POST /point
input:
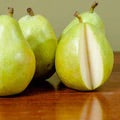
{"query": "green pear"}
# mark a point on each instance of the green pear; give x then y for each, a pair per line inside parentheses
(41, 37)
(84, 58)
(17, 61)
(90, 17)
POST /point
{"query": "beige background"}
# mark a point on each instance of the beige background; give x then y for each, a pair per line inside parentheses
(60, 13)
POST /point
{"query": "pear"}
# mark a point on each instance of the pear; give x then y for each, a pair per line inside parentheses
(90, 17)
(84, 58)
(17, 61)
(41, 37)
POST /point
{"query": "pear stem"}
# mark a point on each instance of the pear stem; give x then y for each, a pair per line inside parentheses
(94, 5)
(76, 14)
(30, 11)
(10, 11)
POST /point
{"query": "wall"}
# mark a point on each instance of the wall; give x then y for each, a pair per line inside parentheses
(60, 13)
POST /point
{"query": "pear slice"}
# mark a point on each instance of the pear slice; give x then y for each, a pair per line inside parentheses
(84, 58)
(91, 62)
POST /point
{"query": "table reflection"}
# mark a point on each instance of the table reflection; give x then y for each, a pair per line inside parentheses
(85, 107)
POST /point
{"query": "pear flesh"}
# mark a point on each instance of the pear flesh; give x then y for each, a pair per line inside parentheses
(40, 35)
(17, 61)
(84, 58)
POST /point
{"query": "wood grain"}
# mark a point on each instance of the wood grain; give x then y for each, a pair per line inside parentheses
(44, 102)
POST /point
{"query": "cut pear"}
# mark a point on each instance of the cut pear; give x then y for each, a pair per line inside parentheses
(84, 58)
(91, 63)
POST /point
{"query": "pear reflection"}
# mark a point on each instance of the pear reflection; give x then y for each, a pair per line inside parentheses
(92, 110)
(85, 107)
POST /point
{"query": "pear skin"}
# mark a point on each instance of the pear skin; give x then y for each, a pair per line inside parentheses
(17, 61)
(90, 17)
(41, 37)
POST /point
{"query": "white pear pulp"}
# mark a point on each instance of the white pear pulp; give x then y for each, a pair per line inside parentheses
(91, 63)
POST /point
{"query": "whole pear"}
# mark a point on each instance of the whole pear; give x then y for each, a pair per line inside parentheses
(17, 61)
(41, 37)
(84, 58)
(90, 17)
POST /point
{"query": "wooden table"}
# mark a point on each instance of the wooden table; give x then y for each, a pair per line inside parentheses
(45, 102)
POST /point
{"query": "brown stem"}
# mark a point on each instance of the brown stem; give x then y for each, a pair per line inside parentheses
(76, 14)
(30, 11)
(94, 5)
(10, 11)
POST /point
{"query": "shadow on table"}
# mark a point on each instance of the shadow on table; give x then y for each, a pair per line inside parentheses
(112, 85)
(53, 85)
(50, 85)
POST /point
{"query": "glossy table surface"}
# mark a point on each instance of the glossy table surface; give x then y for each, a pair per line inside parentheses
(52, 101)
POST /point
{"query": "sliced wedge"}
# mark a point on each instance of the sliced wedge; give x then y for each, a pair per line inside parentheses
(84, 58)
